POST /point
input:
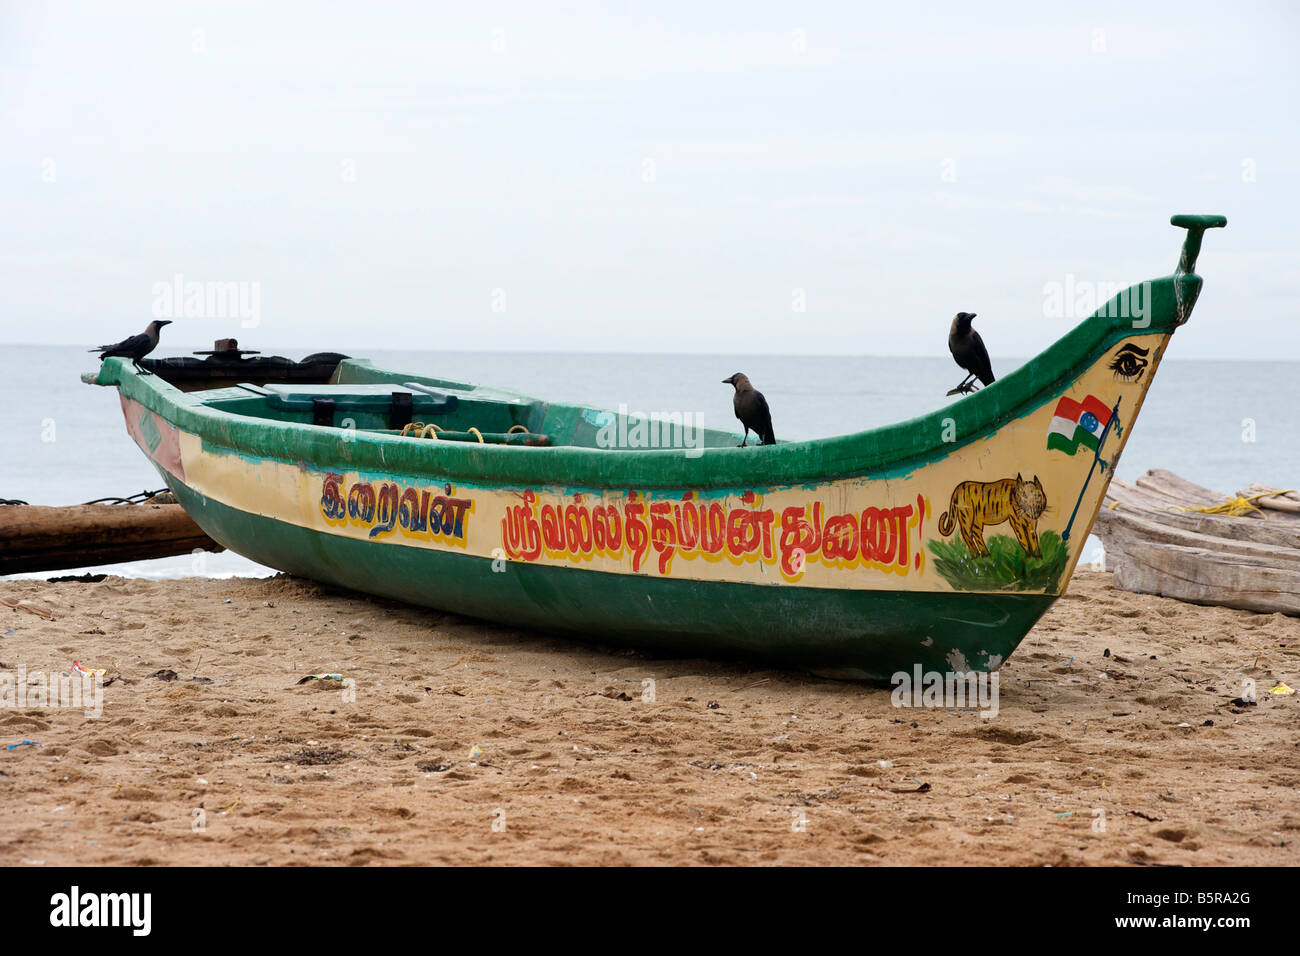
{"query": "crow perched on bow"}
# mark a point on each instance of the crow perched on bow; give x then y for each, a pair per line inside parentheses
(137, 346)
(968, 349)
(751, 409)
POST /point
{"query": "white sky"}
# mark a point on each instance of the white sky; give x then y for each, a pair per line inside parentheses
(505, 148)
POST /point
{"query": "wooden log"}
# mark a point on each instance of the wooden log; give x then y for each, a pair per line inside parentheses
(1155, 547)
(1122, 531)
(1133, 496)
(1208, 577)
(1281, 534)
(1288, 501)
(1121, 490)
(1166, 482)
(36, 538)
(1185, 493)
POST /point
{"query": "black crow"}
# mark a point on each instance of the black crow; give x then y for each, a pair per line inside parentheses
(751, 409)
(968, 349)
(137, 346)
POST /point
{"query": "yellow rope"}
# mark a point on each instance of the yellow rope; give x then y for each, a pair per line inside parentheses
(1238, 506)
(1279, 493)
(421, 430)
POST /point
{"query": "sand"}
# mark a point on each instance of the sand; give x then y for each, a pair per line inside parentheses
(1135, 758)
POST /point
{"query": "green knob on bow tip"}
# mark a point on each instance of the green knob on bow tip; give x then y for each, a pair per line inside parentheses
(1195, 226)
(1204, 222)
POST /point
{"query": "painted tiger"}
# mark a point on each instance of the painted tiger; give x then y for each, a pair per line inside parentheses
(979, 504)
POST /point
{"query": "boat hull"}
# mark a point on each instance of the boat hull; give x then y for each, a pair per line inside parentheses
(858, 634)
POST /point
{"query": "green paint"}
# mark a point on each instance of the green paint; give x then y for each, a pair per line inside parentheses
(1006, 566)
(1058, 442)
(149, 430)
(850, 633)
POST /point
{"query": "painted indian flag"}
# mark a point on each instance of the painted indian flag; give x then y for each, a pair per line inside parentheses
(1077, 423)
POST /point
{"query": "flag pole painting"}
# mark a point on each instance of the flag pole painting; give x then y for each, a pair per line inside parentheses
(1077, 423)
(1090, 429)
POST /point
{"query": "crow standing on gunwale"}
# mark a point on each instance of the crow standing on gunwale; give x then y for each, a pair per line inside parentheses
(751, 409)
(968, 349)
(137, 346)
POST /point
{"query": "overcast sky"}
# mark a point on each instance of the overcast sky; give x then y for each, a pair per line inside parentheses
(684, 177)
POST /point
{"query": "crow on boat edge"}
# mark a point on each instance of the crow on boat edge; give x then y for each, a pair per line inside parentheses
(968, 350)
(751, 409)
(137, 346)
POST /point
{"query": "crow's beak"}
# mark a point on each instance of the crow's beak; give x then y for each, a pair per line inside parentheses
(165, 322)
(727, 381)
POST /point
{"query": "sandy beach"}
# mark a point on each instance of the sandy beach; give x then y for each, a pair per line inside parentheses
(468, 743)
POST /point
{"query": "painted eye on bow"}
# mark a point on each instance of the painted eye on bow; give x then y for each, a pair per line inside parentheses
(1130, 362)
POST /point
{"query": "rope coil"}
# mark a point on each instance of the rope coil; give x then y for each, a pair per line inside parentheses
(421, 430)
(1238, 506)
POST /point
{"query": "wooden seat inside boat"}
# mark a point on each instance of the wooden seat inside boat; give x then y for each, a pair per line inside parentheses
(361, 398)
(407, 410)
(355, 405)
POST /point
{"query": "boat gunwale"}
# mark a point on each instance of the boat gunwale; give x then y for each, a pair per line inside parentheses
(882, 452)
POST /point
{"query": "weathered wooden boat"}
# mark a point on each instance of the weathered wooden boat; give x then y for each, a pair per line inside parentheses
(1167, 536)
(935, 542)
(38, 538)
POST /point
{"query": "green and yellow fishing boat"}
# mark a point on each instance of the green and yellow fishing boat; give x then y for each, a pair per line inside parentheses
(935, 542)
